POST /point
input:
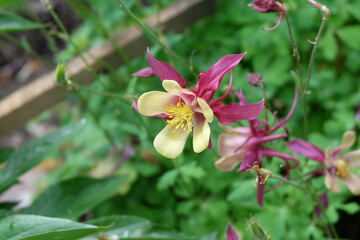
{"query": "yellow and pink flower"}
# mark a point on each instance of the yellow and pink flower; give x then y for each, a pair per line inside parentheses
(190, 110)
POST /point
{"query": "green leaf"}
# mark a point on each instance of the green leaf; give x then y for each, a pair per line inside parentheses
(350, 208)
(350, 35)
(29, 227)
(10, 22)
(72, 198)
(32, 153)
(129, 227)
(5, 153)
(123, 226)
(168, 179)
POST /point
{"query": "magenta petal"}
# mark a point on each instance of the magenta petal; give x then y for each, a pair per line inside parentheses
(235, 112)
(145, 72)
(165, 71)
(231, 234)
(210, 80)
(251, 158)
(266, 152)
(260, 193)
(306, 149)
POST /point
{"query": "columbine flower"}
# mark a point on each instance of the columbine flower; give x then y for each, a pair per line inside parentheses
(265, 6)
(231, 234)
(337, 165)
(245, 145)
(191, 110)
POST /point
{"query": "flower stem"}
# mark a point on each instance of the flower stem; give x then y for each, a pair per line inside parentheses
(313, 54)
(295, 53)
(57, 20)
(288, 181)
(105, 94)
(299, 81)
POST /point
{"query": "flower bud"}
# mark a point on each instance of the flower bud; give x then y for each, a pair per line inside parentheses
(255, 79)
(257, 230)
(60, 74)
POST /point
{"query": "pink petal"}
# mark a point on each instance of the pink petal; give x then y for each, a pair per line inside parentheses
(235, 112)
(165, 71)
(306, 149)
(210, 80)
(145, 72)
(231, 234)
(230, 144)
(282, 14)
(283, 122)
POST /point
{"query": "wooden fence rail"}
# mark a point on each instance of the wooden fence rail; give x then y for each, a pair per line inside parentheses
(41, 94)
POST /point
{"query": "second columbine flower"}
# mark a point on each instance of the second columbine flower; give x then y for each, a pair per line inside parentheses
(191, 110)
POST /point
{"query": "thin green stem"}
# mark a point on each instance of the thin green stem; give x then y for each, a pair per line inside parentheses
(299, 81)
(105, 94)
(313, 54)
(296, 53)
(69, 39)
(27, 49)
(147, 29)
(288, 181)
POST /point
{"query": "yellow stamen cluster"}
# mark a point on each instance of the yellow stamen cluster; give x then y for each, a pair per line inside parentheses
(264, 173)
(341, 168)
(180, 116)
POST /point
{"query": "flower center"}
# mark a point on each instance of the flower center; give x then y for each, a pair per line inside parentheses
(341, 169)
(180, 116)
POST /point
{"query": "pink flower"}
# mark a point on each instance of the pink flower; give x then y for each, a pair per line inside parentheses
(265, 6)
(337, 165)
(246, 146)
(191, 110)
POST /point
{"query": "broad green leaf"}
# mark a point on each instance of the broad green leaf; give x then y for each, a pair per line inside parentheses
(123, 226)
(5, 3)
(10, 22)
(32, 153)
(30, 227)
(130, 227)
(5, 153)
(72, 198)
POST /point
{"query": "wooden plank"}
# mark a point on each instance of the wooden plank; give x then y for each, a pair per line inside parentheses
(43, 93)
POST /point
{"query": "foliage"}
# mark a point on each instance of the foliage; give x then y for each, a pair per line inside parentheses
(187, 196)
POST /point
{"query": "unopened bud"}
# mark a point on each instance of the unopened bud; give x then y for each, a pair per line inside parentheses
(257, 230)
(60, 74)
(255, 79)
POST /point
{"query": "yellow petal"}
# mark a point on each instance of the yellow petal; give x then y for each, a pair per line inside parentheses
(353, 183)
(170, 144)
(153, 103)
(201, 133)
(348, 140)
(331, 183)
(173, 87)
(206, 110)
(228, 163)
